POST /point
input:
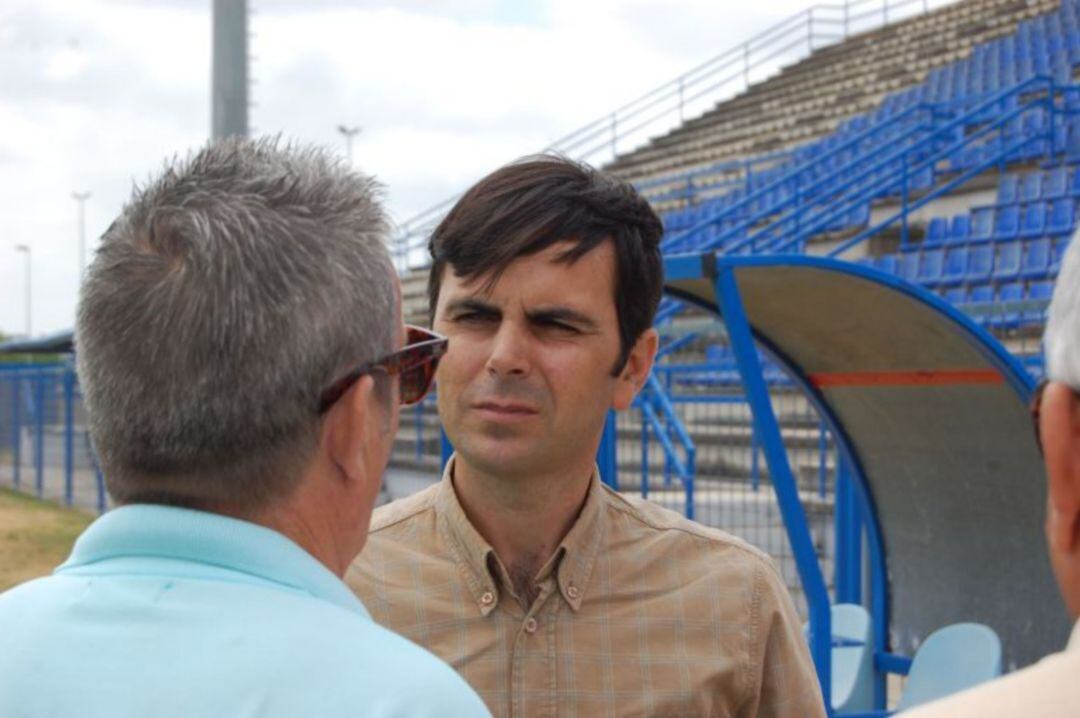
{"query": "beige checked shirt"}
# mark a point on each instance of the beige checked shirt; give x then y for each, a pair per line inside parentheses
(640, 613)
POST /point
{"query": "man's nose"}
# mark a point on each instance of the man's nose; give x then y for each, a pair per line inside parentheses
(510, 351)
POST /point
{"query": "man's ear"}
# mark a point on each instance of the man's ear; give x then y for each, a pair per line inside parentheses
(636, 371)
(1059, 429)
(347, 428)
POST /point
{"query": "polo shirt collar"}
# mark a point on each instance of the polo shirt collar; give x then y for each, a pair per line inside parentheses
(154, 531)
(572, 561)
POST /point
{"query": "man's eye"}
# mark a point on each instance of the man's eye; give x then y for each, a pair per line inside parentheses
(473, 318)
(558, 326)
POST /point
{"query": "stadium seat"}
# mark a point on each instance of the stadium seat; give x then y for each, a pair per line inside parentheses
(1031, 187)
(949, 660)
(1036, 262)
(936, 232)
(956, 296)
(1009, 316)
(887, 263)
(1056, 254)
(960, 229)
(1007, 223)
(1007, 265)
(1008, 189)
(931, 264)
(1074, 182)
(982, 224)
(1056, 184)
(1062, 217)
(981, 294)
(980, 263)
(956, 261)
(908, 268)
(1033, 221)
(1038, 292)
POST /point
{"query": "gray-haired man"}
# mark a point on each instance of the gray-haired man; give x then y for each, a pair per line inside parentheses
(240, 350)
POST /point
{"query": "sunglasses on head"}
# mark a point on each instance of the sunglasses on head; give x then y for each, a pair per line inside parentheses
(414, 366)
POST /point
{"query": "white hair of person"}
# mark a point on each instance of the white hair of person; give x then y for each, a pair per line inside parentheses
(228, 294)
(1061, 340)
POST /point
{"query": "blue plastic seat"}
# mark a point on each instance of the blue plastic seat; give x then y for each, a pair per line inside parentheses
(1008, 189)
(1031, 187)
(1008, 261)
(1062, 217)
(1009, 316)
(982, 224)
(1036, 262)
(956, 296)
(1038, 292)
(1056, 254)
(1007, 223)
(1074, 182)
(956, 262)
(980, 263)
(960, 229)
(931, 264)
(853, 660)
(887, 263)
(950, 660)
(1033, 221)
(936, 232)
(1056, 184)
(908, 267)
(981, 294)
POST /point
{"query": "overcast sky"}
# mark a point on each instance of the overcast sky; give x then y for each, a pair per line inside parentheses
(95, 94)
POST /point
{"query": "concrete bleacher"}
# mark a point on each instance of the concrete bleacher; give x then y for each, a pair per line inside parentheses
(810, 99)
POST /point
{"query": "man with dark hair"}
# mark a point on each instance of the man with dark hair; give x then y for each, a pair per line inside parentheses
(551, 594)
(239, 345)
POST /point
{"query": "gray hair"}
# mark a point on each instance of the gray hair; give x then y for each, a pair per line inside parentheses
(1061, 340)
(228, 294)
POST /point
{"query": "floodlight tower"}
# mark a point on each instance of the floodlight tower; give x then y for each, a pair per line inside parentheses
(229, 82)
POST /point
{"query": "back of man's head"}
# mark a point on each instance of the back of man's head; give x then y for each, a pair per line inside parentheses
(228, 294)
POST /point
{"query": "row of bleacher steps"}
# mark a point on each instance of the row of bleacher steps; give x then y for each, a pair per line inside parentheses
(809, 99)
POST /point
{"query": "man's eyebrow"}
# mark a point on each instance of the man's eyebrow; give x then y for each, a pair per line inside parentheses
(470, 304)
(563, 314)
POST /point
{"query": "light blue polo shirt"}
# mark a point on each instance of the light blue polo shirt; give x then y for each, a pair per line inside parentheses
(168, 612)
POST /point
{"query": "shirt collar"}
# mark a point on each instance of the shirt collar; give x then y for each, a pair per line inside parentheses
(154, 531)
(573, 559)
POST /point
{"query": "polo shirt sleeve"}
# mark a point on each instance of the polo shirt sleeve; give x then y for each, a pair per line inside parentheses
(783, 681)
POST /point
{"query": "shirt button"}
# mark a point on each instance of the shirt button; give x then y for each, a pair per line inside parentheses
(488, 598)
(573, 592)
(530, 625)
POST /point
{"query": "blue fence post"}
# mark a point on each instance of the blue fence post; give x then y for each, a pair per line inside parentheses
(16, 427)
(606, 456)
(39, 433)
(783, 480)
(848, 539)
(69, 434)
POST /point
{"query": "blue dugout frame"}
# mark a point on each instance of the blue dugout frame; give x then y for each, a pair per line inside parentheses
(721, 272)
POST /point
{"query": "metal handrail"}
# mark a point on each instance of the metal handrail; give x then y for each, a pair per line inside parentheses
(734, 65)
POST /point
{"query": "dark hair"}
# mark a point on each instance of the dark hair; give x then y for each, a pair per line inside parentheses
(525, 207)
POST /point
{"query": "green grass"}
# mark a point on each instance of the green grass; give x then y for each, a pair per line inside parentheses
(35, 536)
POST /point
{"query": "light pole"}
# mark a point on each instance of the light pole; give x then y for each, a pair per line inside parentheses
(24, 248)
(81, 198)
(349, 133)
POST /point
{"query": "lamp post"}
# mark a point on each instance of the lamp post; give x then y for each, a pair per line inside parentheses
(26, 249)
(349, 133)
(81, 198)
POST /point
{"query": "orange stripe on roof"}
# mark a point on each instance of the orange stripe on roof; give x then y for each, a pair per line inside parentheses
(943, 377)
